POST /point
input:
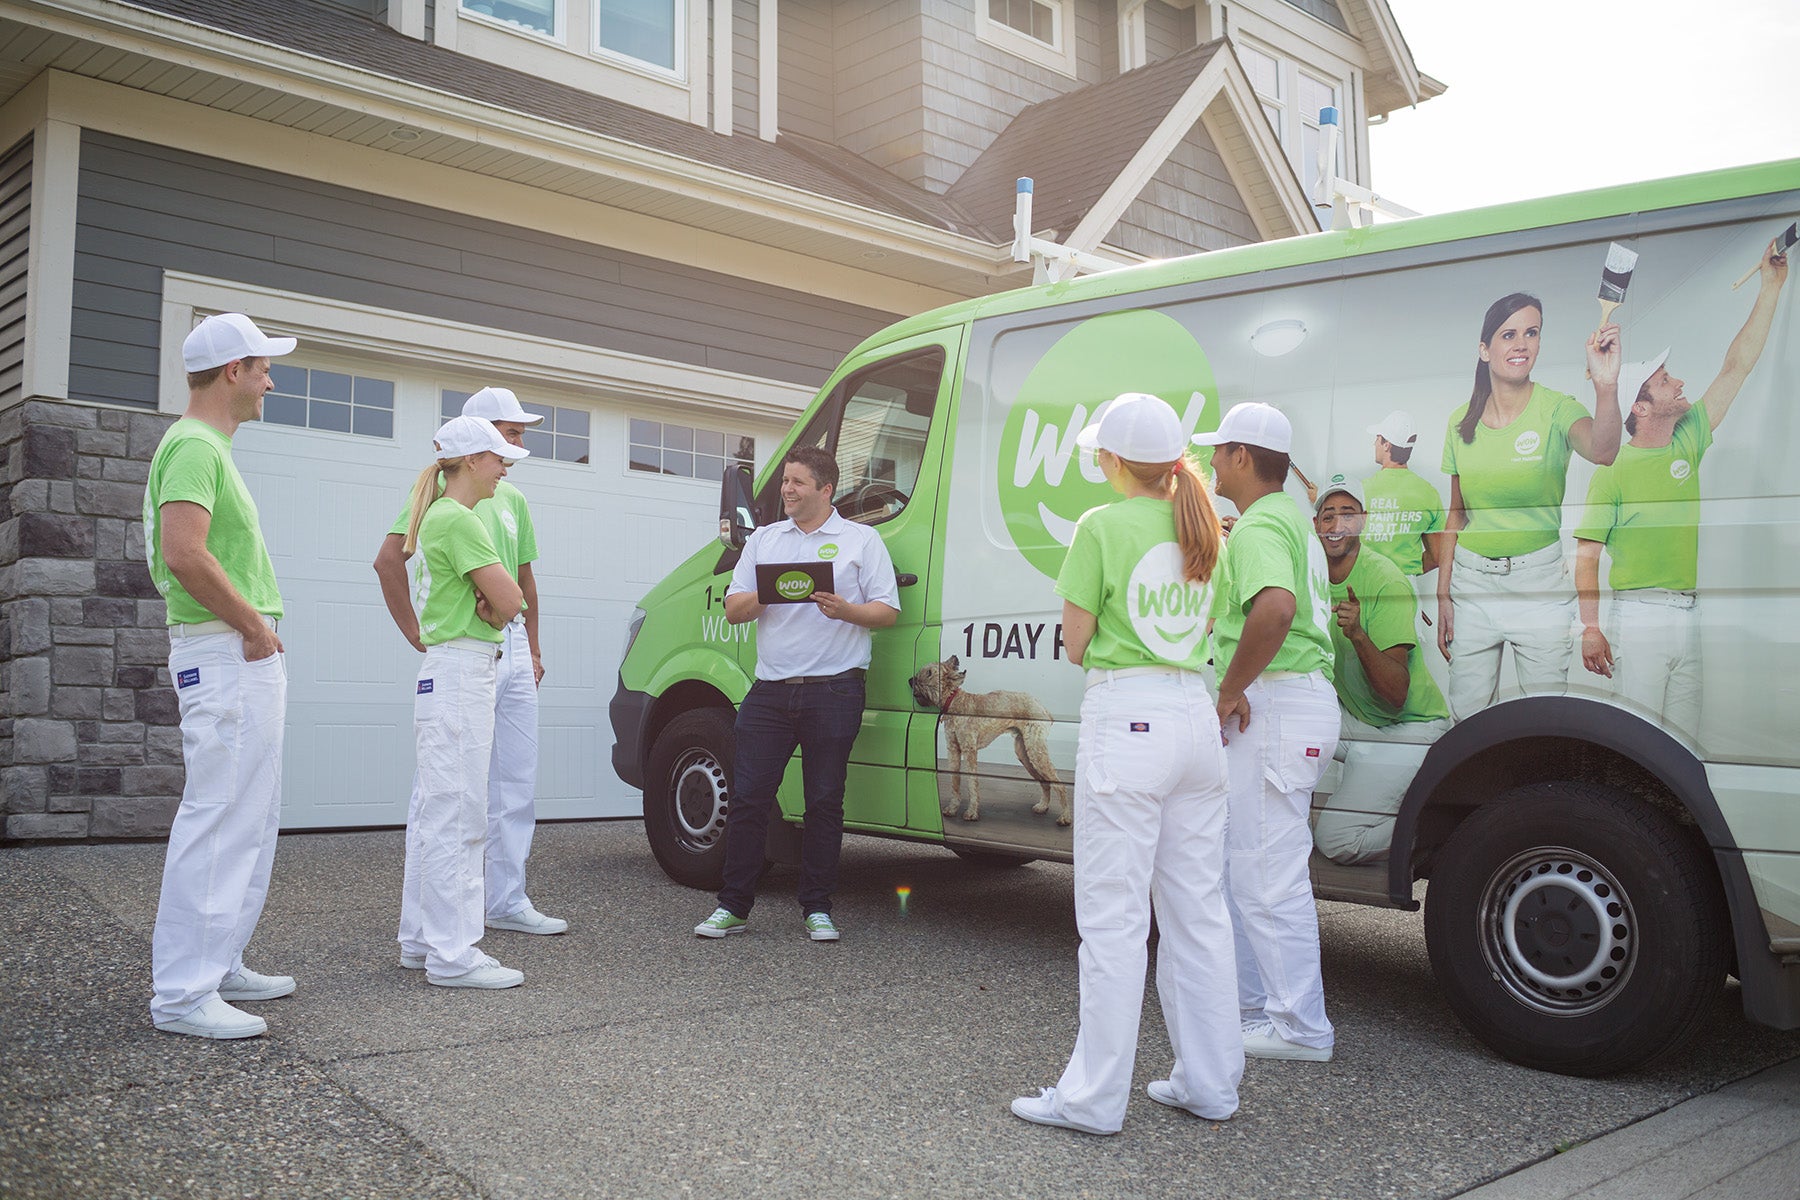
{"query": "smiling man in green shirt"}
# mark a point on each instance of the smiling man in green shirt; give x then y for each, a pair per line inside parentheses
(1645, 509)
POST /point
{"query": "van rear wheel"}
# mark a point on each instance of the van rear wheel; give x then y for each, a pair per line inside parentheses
(686, 788)
(1575, 929)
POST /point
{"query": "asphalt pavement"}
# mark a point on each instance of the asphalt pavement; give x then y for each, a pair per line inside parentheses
(640, 1061)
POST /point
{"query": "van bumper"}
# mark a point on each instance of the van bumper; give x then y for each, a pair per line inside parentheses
(630, 714)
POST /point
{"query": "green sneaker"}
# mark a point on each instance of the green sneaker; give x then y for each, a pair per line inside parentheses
(722, 922)
(819, 927)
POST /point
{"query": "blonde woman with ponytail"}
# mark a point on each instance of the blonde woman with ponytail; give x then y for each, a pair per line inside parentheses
(468, 596)
(1150, 792)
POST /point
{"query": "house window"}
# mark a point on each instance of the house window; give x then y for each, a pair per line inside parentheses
(645, 31)
(1036, 30)
(662, 448)
(532, 16)
(1291, 97)
(563, 434)
(330, 400)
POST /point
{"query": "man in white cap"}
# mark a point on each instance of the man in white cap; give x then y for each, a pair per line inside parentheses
(206, 555)
(1645, 509)
(512, 771)
(1391, 707)
(1279, 716)
(1405, 513)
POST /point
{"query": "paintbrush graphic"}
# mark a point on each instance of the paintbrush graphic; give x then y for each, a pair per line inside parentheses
(1615, 278)
(1783, 244)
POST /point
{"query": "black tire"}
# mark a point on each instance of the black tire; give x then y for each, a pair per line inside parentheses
(1575, 929)
(991, 860)
(685, 790)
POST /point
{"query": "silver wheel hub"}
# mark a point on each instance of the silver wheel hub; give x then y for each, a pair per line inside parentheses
(1557, 931)
(697, 782)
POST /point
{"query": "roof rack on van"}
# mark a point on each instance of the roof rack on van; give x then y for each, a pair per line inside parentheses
(1050, 261)
(1345, 200)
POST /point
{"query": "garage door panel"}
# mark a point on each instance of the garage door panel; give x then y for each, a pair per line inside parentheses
(354, 645)
(576, 544)
(570, 645)
(347, 765)
(575, 776)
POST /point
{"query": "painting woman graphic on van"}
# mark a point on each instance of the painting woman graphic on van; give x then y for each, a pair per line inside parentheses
(1504, 581)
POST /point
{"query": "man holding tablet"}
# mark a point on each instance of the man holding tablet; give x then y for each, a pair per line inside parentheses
(812, 652)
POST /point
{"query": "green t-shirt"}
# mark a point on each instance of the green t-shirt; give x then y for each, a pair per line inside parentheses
(1272, 545)
(193, 464)
(1646, 508)
(1388, 606)
(1513, 478)
(1401, 509)
(507, 519)
(1124, 566)
(452, 542)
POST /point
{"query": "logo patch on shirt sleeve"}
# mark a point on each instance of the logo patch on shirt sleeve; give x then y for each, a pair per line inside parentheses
(424, 686)
(1140, 727)
(188, 678)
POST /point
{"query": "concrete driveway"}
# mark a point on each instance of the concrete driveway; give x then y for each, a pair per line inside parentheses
(640, 1061)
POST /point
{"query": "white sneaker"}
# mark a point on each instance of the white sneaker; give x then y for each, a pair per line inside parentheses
(218, 1020)
(245, 984)
(1163, 1092)
(529, 920)
(413, 962)
(1041, 1110)
(1261, 1041)
(486, 974)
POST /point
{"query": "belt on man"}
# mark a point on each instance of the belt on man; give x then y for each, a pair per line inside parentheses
(852, 673)
(1506, 564)
(472, 645)
(207, 628)
(1665, 597)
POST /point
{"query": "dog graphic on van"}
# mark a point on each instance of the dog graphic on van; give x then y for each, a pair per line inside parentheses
(972, 720)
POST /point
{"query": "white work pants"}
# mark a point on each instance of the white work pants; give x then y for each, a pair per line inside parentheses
(512, 776)
(222, 844)
(1526, 602)
(446, 824)
(1357, 823)
(1656, 655)
(1273, 766)
(1150, 824)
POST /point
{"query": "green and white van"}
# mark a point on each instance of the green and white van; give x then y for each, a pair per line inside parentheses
(1594, 873)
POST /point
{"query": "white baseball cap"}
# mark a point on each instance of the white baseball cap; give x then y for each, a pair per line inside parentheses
(1397, 428)
(227, 337)
(1136, 426)
(1252, 424)
(498, 404)
(1634, 375)
(472, 435)
(1340, 482)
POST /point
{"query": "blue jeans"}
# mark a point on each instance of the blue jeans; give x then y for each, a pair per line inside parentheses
(822, 720)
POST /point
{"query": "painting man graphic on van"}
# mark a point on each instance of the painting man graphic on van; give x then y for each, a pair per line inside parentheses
(1645, 509)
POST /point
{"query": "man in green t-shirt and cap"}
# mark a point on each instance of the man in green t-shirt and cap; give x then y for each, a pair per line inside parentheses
(1645, 509)
(204, 545)
(1405, 519)
(1391, 707)
(1279, 716)
(512, 768)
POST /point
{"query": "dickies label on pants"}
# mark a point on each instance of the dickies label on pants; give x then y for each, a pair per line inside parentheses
(1140, 727)
(1312, 752)
(187, 678)
(424, 686)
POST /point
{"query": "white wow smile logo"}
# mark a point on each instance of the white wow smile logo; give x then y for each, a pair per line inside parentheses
(1527, 442)
(1680, 469)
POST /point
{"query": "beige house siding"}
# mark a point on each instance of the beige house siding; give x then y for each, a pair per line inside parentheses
(1191, 189)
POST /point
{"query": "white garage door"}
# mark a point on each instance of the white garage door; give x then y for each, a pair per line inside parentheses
(329, 489)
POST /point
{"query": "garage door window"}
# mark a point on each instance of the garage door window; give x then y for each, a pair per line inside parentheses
(664, 448)
(562, 436)
(309, 398)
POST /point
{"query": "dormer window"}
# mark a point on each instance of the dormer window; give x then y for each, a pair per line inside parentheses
(1040, 31)
(1292, 95)
(542, 17)
(1029, 17)
(647, 32)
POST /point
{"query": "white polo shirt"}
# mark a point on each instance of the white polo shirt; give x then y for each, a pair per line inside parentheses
(797, 639)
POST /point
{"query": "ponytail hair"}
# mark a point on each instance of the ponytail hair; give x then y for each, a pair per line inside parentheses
(1197, 529)
(425, 492)
(1497, 314)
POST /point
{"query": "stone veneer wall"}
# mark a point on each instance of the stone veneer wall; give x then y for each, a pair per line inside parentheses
(89, 740)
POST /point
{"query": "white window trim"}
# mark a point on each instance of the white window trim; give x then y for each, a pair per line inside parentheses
(1293, 121)
(557, 37)
(678, 74)
(329, 326)
(1059, 57)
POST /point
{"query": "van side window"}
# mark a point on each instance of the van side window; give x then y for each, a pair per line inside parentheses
(875, 427)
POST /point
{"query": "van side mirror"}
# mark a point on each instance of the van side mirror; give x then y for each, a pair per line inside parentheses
(737, 508)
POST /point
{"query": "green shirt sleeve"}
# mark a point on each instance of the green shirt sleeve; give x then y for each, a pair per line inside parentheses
(1080, 580)
(192, 474)
(1387, 611)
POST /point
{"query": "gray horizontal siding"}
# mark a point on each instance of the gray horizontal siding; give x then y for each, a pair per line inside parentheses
(803, 68)
(1167, 31)
(15, 243)
(145, 209)
(1189, 205)
(745, 82)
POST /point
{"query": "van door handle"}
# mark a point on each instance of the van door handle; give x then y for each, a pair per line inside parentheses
(906, 579)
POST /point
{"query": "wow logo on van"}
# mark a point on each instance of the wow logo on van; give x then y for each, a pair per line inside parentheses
(1045, 481)
(794, 585)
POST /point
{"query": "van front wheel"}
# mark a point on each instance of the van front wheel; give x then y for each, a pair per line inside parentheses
(1575, 929)
(685, 791)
